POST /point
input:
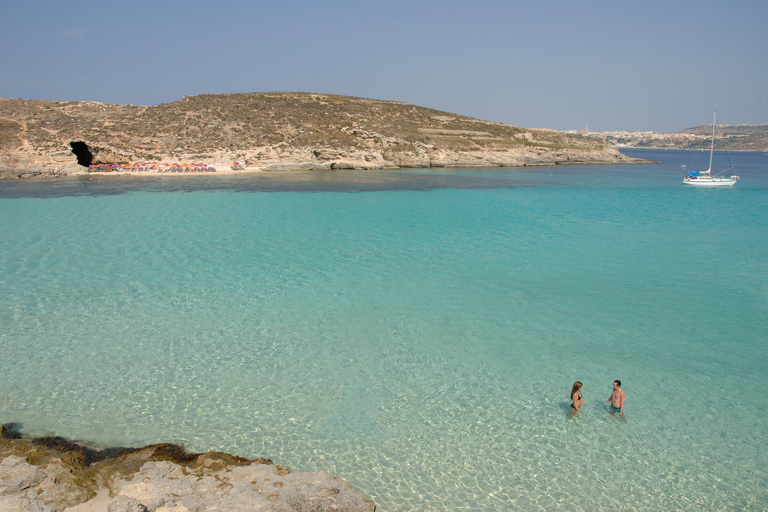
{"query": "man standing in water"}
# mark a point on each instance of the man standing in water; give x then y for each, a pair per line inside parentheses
(617, 398)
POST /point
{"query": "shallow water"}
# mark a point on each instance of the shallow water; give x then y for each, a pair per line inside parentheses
(414, 332)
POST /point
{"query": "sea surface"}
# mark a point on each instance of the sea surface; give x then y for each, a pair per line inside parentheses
(415, 332)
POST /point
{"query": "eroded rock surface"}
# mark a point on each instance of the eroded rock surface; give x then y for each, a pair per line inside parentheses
(167, 485)
(25, 487)
(54, 474)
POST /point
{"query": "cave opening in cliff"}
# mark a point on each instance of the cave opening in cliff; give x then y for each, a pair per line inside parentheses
(82, 152)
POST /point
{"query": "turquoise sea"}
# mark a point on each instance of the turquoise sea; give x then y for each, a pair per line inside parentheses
(415, 332)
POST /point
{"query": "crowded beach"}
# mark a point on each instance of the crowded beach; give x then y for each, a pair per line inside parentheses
(152, 167)
(161, 167)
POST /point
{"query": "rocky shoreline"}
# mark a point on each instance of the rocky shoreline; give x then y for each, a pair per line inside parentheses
(301, 159)
(53, 474)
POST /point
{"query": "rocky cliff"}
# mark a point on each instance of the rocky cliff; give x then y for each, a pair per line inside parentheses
(275, 131)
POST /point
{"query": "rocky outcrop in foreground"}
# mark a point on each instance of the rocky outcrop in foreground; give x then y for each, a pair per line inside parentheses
(56, 475)
(274, 131)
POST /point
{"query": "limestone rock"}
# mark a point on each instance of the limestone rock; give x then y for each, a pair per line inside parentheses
(125, 504)
(166, 486)
(15, 504)
(329, 154)
(302, 166)
(27, 487)
(54, 474)
(343, 165)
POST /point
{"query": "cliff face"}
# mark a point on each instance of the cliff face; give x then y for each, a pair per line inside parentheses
(274, 131)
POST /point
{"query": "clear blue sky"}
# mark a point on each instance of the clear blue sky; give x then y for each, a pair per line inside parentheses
(611, 65)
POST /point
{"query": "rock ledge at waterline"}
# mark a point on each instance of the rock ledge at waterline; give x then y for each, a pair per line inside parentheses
(275, 131)
(52, 474)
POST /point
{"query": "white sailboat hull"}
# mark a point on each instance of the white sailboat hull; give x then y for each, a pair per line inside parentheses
(710, 182)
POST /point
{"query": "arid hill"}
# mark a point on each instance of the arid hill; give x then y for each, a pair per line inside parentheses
(276, 131)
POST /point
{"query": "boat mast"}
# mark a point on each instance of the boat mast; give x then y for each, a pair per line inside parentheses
(712, 147)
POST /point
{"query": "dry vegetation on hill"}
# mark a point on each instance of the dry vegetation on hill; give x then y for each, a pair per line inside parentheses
(276, 131)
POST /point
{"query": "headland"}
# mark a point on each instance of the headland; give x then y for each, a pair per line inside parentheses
(269, 132)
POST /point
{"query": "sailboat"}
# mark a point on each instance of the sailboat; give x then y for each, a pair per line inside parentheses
(705, 178)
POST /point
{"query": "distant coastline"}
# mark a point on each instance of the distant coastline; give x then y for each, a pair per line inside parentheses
(753, 137)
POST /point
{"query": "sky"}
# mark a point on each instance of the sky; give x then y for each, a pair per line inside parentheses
(606, 65)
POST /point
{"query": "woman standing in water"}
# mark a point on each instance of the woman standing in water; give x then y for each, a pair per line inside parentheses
(576, 396)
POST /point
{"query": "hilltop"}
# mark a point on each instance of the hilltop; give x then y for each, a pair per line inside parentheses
(277, 131)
